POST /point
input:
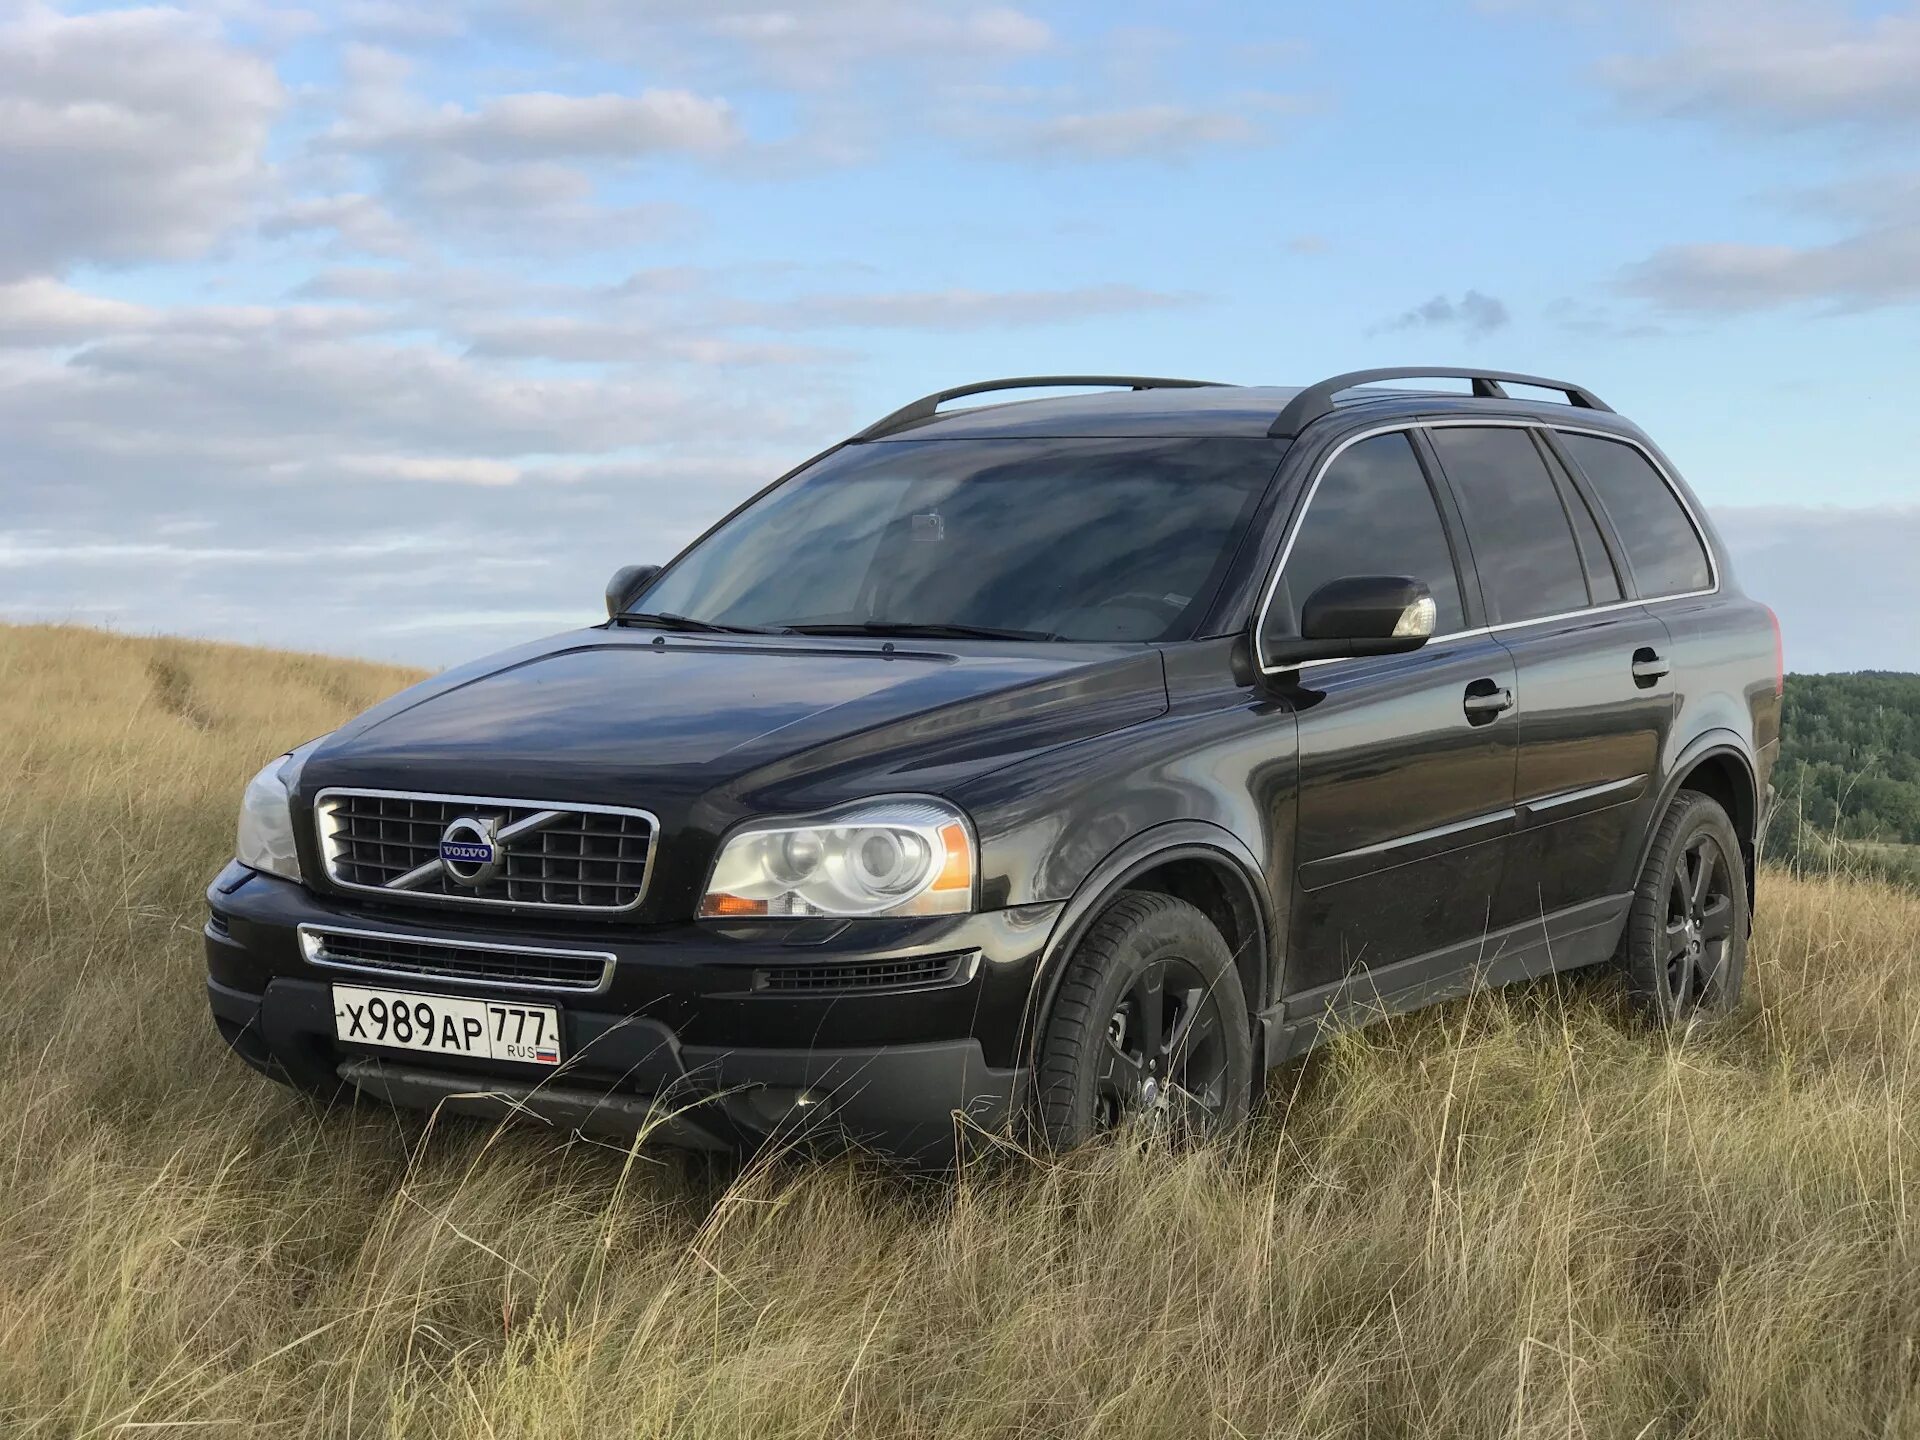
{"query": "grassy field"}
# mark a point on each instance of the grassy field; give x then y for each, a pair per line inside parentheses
(1516, 1216)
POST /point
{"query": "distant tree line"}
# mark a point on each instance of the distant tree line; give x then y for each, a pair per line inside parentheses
(1848, 780)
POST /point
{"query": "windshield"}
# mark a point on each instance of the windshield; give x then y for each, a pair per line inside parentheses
(1098, 540)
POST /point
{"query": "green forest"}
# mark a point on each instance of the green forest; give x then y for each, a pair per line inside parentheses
(1848, 780)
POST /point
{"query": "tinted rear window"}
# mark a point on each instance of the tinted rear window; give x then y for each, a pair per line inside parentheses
(1522, 543)
(1602, 578)
(1662, 546)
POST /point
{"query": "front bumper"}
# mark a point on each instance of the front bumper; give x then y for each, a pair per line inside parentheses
(679, 1045)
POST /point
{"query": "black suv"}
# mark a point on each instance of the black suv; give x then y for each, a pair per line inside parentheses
(1050, 762)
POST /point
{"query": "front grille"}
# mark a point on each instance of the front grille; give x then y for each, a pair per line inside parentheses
(556, 857)
(866, 974)
(461, 962)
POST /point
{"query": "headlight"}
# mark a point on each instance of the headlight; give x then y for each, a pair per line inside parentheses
(265, 841)
(911, 856)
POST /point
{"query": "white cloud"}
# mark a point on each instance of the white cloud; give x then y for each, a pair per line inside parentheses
(402, 23)
(1157, 132)
(520, 171)
(1771, 63)
(258, 396)
(1875, 264)
(433, 469)
(533, 207)
(465, 619)
(621, 341)
(1860, 272)
(1474, 314)
(820, 44)
(360, 222)
(546, 126)
(42, 312)
(951, 309)
(25, 550)
(125, 135)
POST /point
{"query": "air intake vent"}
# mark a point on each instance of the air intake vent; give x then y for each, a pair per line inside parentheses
(908, 974)
(456, 962)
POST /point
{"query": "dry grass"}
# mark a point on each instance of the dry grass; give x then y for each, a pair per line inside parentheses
(1515, 1216)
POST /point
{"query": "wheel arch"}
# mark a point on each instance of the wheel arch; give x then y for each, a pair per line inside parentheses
(1716, 764)
(1203, 864)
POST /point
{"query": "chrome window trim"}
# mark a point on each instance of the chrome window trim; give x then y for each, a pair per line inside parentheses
(328, 847)
(1406, 427)
(313, 939)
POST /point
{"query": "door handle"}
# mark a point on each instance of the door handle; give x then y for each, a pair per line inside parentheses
(1649, 667)
(1486, 701)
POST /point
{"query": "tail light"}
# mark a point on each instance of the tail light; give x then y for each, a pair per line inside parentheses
(1779, 657)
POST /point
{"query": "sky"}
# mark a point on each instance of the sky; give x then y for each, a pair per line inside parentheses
(391, 328)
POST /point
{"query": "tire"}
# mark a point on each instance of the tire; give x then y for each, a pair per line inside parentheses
(1685, 946)
(1149, 1022)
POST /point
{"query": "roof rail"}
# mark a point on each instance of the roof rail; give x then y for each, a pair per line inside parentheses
(928, 405)
(1317, 400)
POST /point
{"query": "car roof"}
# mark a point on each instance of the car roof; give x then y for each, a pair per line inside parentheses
(1244, 411)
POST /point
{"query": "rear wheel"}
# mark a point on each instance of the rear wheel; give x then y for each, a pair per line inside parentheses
(1685, 948)
(1149, 1023)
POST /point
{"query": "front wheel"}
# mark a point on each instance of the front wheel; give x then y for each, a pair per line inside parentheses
(1150, 1023)
(1685, 948)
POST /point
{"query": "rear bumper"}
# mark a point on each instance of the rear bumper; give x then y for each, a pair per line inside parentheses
(678, 1046)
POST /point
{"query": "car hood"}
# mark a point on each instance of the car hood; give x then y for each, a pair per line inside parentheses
(702, 728)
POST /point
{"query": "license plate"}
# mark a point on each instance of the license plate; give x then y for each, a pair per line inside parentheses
(447, 1025)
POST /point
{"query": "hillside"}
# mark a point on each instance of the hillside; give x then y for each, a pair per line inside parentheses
(1848, 781)
(1517, 1216)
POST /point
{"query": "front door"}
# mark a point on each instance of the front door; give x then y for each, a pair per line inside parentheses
(1406, 809)
(1405, 799)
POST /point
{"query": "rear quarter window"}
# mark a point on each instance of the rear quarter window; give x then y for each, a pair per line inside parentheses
(1522, 541)
(1662, 547)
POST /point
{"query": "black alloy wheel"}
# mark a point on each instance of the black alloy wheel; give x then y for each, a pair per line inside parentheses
(1165, 1052)
(1699, 921)
(1686, 937)
(1150, 1024)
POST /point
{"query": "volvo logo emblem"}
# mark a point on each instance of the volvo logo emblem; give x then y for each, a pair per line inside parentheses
(469, 853)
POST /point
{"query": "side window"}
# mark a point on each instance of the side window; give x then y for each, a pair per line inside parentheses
(1601, 578)
(1661, 544)
(1372, 514)
(1522, 543)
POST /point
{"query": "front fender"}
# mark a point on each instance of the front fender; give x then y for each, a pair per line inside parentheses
(1176, 840)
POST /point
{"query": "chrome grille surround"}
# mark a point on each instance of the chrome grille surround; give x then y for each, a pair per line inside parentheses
(560, 855)
(481, 963)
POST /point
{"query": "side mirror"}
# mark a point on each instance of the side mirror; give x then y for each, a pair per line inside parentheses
(625, 587)
(1355, 616)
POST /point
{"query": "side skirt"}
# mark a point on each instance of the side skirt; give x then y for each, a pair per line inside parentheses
(1581, 935)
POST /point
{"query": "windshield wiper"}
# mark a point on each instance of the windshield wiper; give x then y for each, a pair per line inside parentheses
(667, 620)
(923, 631)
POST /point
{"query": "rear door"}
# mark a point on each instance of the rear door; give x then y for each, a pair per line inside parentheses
(1594, 683)
(1405, 799)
